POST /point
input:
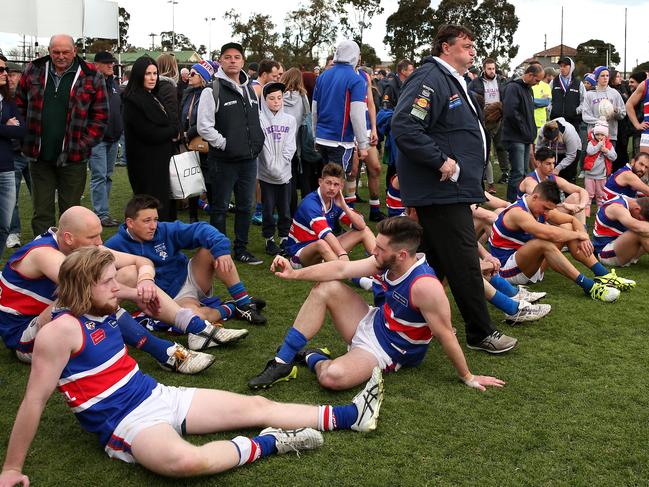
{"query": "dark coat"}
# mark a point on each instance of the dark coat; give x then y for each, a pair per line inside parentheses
(433, 121)
(148, 133)
(518, 113)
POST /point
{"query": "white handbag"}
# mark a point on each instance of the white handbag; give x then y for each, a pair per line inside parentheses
(185, 175)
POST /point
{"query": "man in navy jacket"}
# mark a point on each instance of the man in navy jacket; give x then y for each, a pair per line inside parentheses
(187, 281)
(442, 152)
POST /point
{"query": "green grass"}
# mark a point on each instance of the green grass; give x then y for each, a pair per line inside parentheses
(574, 411)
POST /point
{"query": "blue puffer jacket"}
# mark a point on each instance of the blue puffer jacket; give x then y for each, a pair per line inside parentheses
(433, 121)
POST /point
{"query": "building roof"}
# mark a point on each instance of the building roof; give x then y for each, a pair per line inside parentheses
(182, 57)
(556, 51)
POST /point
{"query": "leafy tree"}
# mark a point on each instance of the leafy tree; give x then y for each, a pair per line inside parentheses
(182, 41)
(641, 67)
(308, 27)
(124, 18)
(356, 16)
(453, 12)
(495, 36)
(407, 29)
(256, 35)
(594, 53)
(369, 56)
(201, 49)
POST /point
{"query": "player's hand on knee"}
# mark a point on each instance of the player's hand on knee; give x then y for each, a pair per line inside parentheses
(224, 263)
(147, 290)
(481, 382)
(9, 478)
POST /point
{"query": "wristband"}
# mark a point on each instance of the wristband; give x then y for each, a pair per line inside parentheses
(145, 277)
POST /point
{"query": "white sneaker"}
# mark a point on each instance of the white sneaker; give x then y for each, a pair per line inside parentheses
(213, 336)
(528, 312)
(368, 403)
(295, 440)
(13, 240)
(524, 294)
(188, 362)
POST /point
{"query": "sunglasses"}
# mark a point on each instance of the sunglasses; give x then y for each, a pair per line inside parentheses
(192, 74)
(3, 69)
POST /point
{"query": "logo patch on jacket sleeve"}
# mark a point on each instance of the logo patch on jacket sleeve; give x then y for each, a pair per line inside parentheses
(421, 105)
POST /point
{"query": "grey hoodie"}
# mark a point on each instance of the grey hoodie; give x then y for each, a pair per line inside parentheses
(207, 109)
(569, 143)
(280, 130)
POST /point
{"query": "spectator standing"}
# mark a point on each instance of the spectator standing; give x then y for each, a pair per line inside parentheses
(12, 126)
(103, 155)
(21, 169)
(442, 152)
(519, 128)
(304, 176)
(339, 112)
(542, 94)
(393, 86)
(624, 126)
(183, 83)
(231, 126)
(121, 161)
(274, 169)
(490, 86)
(64, 103)
(567, 94)
(199, 77)
(600, 154)
(590, 107)
(149, 132)
(637, 109)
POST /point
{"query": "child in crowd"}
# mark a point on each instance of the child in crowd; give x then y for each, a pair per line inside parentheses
(600, 154)
(274, 168)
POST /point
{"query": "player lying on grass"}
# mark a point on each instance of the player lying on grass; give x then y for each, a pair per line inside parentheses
(527, 238)
(415, 309)
(82, 353)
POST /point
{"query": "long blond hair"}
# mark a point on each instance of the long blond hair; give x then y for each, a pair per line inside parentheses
(167, 66)
(80, 271)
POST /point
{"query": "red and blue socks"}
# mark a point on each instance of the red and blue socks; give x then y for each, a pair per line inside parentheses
(239, 294)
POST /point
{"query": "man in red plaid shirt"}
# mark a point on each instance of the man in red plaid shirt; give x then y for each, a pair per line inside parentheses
(65, 106)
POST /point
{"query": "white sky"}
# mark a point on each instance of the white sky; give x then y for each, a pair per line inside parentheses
(601, 19)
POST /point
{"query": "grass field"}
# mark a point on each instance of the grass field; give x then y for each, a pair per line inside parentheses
(574, 411)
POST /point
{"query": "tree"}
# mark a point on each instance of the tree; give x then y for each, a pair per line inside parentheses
(124, 18)
(356, 16)
(407, 29)
(182, 41)
(641, 67)
(453, 12)
(369, 56)
(256, 35)
(308, 27)
(495, 37)
(201, 49)
(595, 53)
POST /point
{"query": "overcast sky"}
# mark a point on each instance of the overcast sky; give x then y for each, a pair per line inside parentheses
(601, 19)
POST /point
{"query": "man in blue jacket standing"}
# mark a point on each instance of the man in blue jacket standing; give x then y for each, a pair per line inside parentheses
(442, 153)
(187, 281)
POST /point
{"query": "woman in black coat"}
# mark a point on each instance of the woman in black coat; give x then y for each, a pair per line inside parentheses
(149, 134)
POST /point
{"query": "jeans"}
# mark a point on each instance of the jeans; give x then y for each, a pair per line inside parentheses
(49, 180)
(519, 158)
(122, 145)
(102, 162)
(21, 170)
(7, 203)
(227, 178)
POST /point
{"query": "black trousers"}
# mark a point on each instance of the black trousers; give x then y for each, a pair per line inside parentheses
(275, 196)
(451, 249)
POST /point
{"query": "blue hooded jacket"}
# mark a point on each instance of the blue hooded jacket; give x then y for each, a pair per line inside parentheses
(164, 250)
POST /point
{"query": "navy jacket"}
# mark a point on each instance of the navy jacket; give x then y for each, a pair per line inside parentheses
(518, 113)
(8, 109)
(115, 125)
(164, 250)
(433, 120)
